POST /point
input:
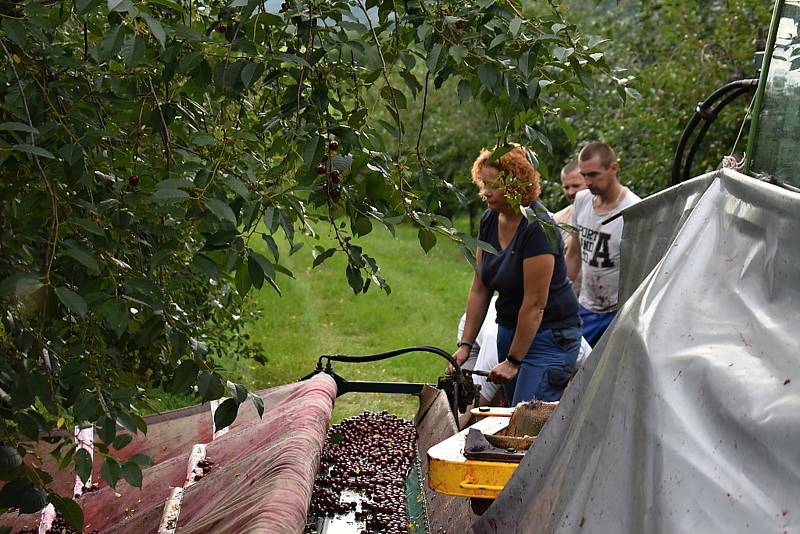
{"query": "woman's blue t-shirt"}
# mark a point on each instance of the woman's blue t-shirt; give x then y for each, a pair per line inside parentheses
(503, 272)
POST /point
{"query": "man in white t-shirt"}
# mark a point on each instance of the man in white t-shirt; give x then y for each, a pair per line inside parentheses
(598, 252)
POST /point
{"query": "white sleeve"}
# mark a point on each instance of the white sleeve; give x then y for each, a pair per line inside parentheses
(461, 327)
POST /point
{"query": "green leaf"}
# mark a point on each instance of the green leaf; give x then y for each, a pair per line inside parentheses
(141, 459)
(20, 284)
(238, 187)
(464, 91)
(33, 150)
(297, 60)
(427, 239)
(203, 139)
(22, 494)
(156, 29)
(221, 210)
(312, 151)
(239, 392)
(89, 226)
(242, 279)
(10, 457)
(115, 315)
(112, 41)
(106, 428)
(399, 98)
(69, 510)
(27, 424)
(264, 263)
(209, 386)
(361, 226)
(133, 51)
(82, 255)
(458, 53)
(321, 256)
(17, 126)
(185, 375)
(354, 279)
(132, 474)
(111, 471)
(256, 272)
(436, 58)
(225, 414)
(122, 441)
(515, 26)
(16, 32)
(82, 7)
(251, 72)
(167, 195)
(83, 465)
(561, 53)
(127, 422)
(74, 302)
(487, 73)
(206, 266)
(258, 402)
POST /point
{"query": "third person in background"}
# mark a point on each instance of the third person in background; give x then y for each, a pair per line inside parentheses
(595, 251)
(571, 182)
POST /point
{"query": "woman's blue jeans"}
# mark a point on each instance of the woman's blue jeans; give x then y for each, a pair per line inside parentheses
(546, 368)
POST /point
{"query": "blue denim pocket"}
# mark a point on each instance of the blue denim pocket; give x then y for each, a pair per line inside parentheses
(566, 338)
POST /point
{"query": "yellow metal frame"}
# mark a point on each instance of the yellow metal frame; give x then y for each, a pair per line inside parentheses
(451, 473)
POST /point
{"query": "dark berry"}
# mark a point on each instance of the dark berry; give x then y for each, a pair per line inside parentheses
(333, 147)
(133, 180)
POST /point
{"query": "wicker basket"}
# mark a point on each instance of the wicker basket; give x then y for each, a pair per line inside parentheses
(519, 443)
(526, 423)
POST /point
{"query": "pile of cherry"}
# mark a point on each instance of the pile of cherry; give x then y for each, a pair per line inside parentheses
(368, 455)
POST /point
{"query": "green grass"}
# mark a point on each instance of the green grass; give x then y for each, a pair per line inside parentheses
(319, 314)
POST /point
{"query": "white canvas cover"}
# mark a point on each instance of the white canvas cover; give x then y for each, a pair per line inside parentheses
(686, 417)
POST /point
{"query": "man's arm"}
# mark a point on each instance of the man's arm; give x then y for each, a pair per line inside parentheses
(573, 258)
(477, 304)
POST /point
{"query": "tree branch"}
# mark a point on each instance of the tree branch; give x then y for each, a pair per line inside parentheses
(51, 193)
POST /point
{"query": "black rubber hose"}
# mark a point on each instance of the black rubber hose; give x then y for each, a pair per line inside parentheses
(393, 353)
(687, 169)
(390, 354)
(702, 112)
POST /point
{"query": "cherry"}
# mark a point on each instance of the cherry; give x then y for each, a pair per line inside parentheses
(322, 169)
(133, 180)
(335, 176)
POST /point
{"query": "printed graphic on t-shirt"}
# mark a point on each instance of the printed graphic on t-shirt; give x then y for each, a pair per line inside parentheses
(595, 248)
(600, 251)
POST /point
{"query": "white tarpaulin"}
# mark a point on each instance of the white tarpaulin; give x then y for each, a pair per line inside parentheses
(686, 418)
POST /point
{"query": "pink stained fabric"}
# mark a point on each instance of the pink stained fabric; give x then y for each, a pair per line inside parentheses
(268, 489)
(170, 438)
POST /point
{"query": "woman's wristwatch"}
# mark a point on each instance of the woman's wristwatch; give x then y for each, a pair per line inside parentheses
(513, 360)
(462, 343)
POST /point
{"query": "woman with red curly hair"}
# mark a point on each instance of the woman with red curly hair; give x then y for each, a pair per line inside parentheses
(539, 328)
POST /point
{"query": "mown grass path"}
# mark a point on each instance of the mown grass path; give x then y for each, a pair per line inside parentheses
(319, 314)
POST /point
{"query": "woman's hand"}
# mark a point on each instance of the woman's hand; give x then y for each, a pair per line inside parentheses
(461, 355)
(503, 372)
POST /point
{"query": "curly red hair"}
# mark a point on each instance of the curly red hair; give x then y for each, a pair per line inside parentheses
(515, 163)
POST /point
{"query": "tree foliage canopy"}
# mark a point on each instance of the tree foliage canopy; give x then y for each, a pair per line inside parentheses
(145, 146)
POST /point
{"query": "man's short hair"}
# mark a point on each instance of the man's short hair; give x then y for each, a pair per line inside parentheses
(598, 148)
(569, 168)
